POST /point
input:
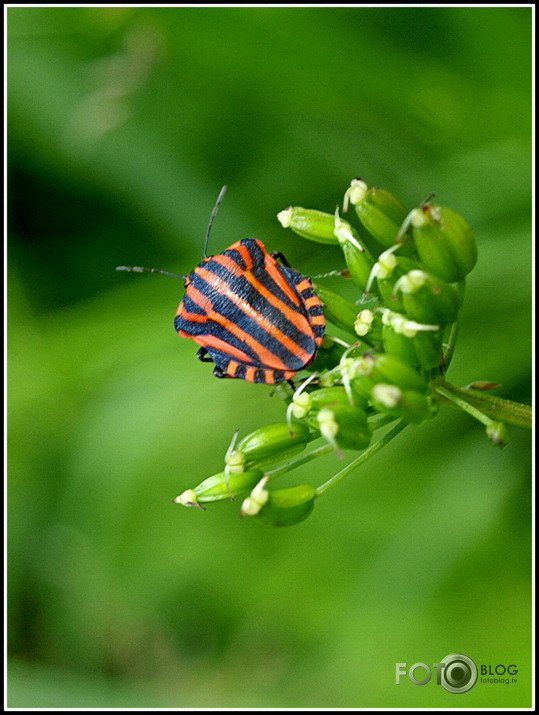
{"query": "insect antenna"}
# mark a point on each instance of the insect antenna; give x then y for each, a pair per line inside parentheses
(212, 217)
(139, 269)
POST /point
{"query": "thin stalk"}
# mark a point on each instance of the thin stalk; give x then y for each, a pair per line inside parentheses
(363, 457)
(453, 334)
(485, 408)
(464, 405)
(298, 461)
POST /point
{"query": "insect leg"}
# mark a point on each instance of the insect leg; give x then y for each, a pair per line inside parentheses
(202, 355)
(279, 255)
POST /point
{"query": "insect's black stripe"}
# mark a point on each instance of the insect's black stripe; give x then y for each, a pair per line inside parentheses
(261, 263)
(252, 256)
(233, 339)
(226, 330)
(257, 319)
(213, 333)
(242, 285)
(179, 323)
(238, 323)
(190, 306)
(277, 375)
(314, 306)
(256, 305)
(308, 292)
(240, 371)
(236, 256)
(254, 374)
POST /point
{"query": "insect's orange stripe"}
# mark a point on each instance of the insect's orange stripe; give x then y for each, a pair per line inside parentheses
(287, 374)
(299, 321)
(272, 268)
(248, 309)
(270, 265)
(313, 300)
(265, 356)
(232, 368)
(269, 374)
(305, 283)
(245, 253)
(213, 342)
(192, 317)
(201, 300)
(250, 373)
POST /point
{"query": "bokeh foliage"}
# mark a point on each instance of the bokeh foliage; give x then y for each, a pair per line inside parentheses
(123, 124)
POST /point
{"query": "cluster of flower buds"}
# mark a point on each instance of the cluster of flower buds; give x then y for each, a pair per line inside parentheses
(244, 474)
(408, 268)
(408, 265)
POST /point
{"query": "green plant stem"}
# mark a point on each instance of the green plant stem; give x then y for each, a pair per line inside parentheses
(465, 406)
(453, 334)
(379, 420)
(363, 457)
(298, 461)
(376, 422)
(485, 408)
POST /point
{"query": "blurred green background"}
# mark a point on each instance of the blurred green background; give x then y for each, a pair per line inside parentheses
(123, 125)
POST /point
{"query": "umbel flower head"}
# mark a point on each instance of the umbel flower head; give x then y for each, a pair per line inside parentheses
(383, 360)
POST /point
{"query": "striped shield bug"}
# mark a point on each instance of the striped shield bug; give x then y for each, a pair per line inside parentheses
(252, 315)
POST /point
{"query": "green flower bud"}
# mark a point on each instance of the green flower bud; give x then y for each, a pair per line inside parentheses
(235, 461)
(396, 343)
(345, 426)
(497, 432)
(286, 507)
(329, 397)
(427, 298)
(368, 325)
(301, 404)
(256, 499)
(218, 487)
(428, 348)
(388, 270)
(379, 211)
(337, 309)
(373, 368)
(363, 322)
(408, 405)
(328, 379)
(309, 223)
(444, 242)
(358, 259)
(416, 343)
(359, 264)
(274, 443)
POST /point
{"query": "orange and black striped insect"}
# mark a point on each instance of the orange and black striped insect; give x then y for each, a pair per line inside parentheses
(254, 317)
